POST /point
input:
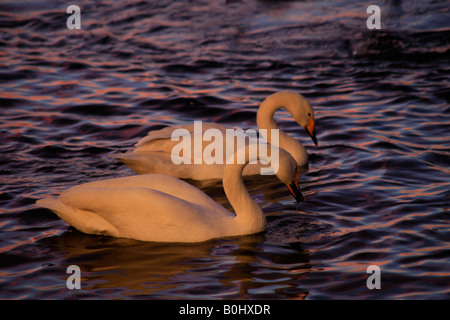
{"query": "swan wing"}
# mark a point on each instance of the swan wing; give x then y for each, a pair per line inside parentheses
(161, 140)
(138, 213)
(158, 182)
(166, 133)
(161, 163)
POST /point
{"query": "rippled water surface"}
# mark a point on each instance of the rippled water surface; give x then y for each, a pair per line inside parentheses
(376, 190)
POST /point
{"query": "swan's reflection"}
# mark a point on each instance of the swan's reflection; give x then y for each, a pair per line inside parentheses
(233, 268)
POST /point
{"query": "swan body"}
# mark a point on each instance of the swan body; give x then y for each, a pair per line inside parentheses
(153, 152)
(155, 207)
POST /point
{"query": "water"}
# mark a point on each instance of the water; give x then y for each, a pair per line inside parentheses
(376, 190)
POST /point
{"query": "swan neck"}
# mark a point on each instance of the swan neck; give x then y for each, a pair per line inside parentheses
(264, 116)
(249, 216)
(264, 120)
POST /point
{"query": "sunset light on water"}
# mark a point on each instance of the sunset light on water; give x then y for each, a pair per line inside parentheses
(376, 187)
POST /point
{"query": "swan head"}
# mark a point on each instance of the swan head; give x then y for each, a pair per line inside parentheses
(302, 112)
(288, 174)
(282, 164)
(299, 108)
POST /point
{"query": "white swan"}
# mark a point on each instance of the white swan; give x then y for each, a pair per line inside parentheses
(165, 209)
(153, 152)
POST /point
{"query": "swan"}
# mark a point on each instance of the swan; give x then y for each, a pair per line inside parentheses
(162, 208)
(153, 152)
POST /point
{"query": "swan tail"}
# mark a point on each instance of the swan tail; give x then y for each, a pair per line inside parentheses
(51, 203)
(139, 163)
(83, 220)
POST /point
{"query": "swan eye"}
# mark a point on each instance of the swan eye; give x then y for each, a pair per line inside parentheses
(309, 114)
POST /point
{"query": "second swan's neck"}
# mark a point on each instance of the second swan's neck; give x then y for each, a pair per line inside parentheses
(249, 216)
(264, 120)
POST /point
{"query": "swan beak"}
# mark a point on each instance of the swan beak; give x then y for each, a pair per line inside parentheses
(310, 128)
(295, 190)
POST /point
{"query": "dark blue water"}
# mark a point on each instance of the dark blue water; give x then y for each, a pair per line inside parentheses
(376, 190)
